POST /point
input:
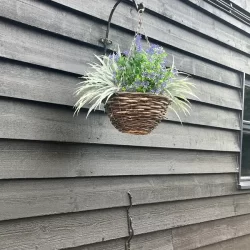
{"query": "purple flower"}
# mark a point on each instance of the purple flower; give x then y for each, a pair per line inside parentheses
(152, 48)
(138, 42)
(114, 57)
(125, 52)
(137, 83)
(175, 72)
(164, 85)
(145, 84)
(164, 63)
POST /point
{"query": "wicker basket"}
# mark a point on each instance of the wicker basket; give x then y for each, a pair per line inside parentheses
(136, 113)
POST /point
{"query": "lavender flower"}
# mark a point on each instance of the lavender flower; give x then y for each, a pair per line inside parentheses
(114, 57)
(138, 44)
(164, 85)
(152, 48)
(125, 52)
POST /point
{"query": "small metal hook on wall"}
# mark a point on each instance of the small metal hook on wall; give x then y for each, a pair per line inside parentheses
(106, 41)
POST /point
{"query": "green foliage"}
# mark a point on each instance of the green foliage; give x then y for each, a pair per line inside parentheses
(136, 70)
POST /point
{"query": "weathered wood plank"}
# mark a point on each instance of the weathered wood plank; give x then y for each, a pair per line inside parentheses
(163, 216)
(59, 21)
(38, 84)
(242, 4)
(157, 241)
(184, 13)
(207, 233)
(24, 44)
(44, 197)
(213, 93)
(63, 231)
(216, 12)
(243, 203)
(209, 116)
(76, 229)
(72, 57)
(170, 34)
(29, 159)
(240, 243)
(52, 123)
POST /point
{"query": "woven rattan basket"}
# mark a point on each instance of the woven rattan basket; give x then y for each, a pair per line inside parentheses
(136, 113)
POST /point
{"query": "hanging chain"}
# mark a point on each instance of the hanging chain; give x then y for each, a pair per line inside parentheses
(140, 28)
(130, 225)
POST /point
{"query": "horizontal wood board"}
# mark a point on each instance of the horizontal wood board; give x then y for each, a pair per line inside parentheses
(69, 176)
(51, 123)
(32, 159)
(55, 196)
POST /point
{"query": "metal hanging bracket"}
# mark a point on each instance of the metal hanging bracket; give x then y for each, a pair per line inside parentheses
(106, 41)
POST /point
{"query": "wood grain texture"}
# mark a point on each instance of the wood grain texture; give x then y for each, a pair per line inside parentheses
(39, 84)
(25, 44)
(163, 216)
(52, 123)
(55, 196)
(157, 241)
(212, 93)
(244, 4)
(165, 32)
(217, 13)
(183, 13)
(53, 87)
(240, 243)
(63, 231)
(58, 20)
(76, 229)
(208, 233)
(57, 53)
(30, 159)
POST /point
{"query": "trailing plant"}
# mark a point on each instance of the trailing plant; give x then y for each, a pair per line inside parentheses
(136, 70)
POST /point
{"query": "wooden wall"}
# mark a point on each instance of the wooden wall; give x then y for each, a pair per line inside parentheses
(64, 179)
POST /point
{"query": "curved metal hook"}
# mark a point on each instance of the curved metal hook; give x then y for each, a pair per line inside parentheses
(139, 8)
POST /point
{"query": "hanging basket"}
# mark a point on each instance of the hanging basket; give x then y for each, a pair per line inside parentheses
(136, 113)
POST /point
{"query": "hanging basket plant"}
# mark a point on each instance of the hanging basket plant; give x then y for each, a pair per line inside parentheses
(136, 86)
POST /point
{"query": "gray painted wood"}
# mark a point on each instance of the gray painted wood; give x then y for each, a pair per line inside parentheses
(169, 34)
(76, 229)
(38, 84)
(163, 216)
(58, 54)
(212, 93)
(29, 159)
(24, 44)
(51, 18)
(241, 243)
(242, 4)
(216, 12)
(55, 196)
(184, 13)
(187, 205)
(242, 204)
(40, 122)
(63, 231)
(52, 87)
(211, 232)
(157, 241)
